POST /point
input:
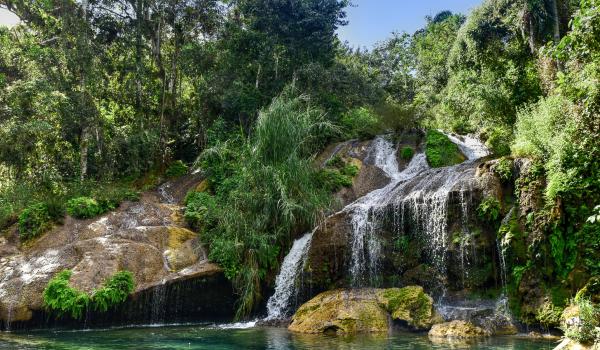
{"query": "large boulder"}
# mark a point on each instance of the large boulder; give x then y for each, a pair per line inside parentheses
(147, 238)
(409, 305)
(457, 329)
(341, 311)
(365, 310)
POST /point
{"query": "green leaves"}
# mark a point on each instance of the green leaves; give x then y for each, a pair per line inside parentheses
(63, 299)
(440, 151)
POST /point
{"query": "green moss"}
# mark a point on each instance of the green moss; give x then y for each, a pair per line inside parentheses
(440, 151)
(63, 299)
(409, 304)
(407, 153)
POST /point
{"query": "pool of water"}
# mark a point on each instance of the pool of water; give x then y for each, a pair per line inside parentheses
(207, 337)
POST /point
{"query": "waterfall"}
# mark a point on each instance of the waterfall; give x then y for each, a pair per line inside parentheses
(367, 212)
(279, 304)
(419, 197)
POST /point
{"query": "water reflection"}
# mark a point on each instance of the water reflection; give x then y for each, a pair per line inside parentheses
(204, 338)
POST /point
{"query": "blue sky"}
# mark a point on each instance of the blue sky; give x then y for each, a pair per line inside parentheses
(374, 20)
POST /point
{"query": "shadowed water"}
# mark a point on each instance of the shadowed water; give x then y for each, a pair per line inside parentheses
(197, 338)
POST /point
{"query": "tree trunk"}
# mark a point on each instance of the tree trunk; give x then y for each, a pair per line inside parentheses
(83, 153)
(556, 21)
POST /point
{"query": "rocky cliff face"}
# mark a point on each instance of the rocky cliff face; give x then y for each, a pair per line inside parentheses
(147, 238)
(424, 227)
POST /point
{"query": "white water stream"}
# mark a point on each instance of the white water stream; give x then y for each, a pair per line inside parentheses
(419, 196)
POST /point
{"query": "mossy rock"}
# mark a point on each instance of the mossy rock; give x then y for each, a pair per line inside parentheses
(442, 152)
(410, 305)
(341, 312)
(457, 329)
(180, 253)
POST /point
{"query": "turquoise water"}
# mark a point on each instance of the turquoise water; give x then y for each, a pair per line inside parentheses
(200, 338)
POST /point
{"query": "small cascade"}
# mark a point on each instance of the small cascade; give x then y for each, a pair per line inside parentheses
(165, 195)
(279, 304)
(159, 298)
(502, 246)
(367, 213)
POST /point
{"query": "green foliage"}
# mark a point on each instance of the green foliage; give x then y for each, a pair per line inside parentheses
(498, 141)
(440, 151)
(176, 169)
(63, 299)
(489, 209)
(83, 208)
(360, 123)
(333, 180)
(504, 169)
(114, 291)
(265, 189)
(38, 218)
(549, 315)
(201, 210)
(350, 170)
(584, 328)
(407, 153)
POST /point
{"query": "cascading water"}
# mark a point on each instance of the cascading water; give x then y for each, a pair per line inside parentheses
(419, 199)
(366, 213)
(279, 304)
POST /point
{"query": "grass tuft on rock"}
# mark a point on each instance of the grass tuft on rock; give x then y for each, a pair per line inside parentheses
(440, 151)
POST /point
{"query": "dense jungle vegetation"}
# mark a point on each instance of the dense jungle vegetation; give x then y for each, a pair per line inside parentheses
(100, 98)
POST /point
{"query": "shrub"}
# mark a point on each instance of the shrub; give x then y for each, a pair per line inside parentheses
(114, 292)
(34, 220)
(336, 162)
(489, 209)
(84, 208)
(200, 210)
(583, 328)
(350, 170)
(63, 299)
(504, 169)
(549, 315)
(176, 169)
(360, 123)
(498, 141)
(407, 153)
(333, 180)
(440, 151)
(266, 190)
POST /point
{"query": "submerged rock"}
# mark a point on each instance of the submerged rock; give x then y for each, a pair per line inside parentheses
(457, 329)
(365, 311)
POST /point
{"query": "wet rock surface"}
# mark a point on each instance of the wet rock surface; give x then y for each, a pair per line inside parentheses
(147, 238)
(365, 311)
(457, 329)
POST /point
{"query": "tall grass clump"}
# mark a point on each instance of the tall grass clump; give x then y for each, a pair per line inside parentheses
(266, 191)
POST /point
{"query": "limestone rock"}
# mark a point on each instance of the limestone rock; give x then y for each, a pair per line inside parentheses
(142, 237)
(457, 329)
(410, 305)
(343, 312)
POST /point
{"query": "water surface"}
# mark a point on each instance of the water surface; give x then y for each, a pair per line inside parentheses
(202, 337)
